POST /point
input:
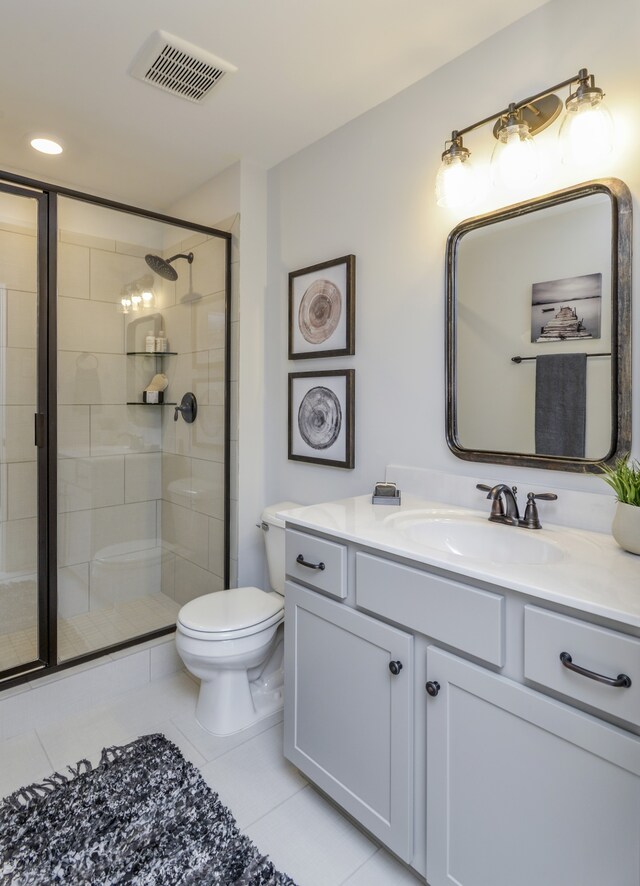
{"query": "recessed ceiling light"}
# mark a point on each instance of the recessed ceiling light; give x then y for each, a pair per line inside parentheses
(46, 145)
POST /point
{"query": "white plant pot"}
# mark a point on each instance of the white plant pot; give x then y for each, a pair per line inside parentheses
(626, 527)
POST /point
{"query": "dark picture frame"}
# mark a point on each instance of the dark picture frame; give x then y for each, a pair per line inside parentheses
(321, 417)
(322, 309)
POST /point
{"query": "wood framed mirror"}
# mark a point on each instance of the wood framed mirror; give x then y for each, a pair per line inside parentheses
(538, 325)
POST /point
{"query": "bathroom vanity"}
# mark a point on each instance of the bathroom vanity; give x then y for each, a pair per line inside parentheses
(426, 695)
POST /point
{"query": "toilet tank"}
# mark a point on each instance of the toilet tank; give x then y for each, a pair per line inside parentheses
(273, 533)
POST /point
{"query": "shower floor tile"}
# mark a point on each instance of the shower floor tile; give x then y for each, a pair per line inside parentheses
(94, 630)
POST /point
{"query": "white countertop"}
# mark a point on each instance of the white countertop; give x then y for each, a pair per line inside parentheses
(593, 574)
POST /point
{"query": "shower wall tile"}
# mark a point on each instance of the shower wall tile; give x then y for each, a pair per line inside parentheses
(74, 538)
(209, 322)
(216, 547)
(86, 483)
(18, 260)
(216, 377)
(85, 378)
(125, 430)
(190, 242)
(205, 275)
(18, 546)
(120, 579)
(192, 581)
(4, 492)
(73, 431)
(165, 293)
(235, 350)
(179, 326)
(110, 271)
(142, 477)
(90, 240)
(208, 487)
(168, 573)
(21, 316)
(233, 411)
(233, 573)
(133, 249)
(233, 470)
(188, 372)
(122, 529)
(73, 271)
(17, 441)
(186, 533)
(176, 479)
(233, 529)
(18, 376)
(73, 590)
(22, 490)
(95, 327)
(207, 434)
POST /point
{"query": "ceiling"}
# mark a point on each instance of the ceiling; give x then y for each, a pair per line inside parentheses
(305, 67)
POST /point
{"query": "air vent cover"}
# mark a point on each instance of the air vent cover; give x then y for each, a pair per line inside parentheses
(179, 67)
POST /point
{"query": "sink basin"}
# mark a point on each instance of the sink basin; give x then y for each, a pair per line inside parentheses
(479, 540)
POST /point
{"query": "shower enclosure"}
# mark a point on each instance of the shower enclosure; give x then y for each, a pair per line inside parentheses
(114, 508)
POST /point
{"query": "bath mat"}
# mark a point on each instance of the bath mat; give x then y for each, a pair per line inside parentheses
(143, 815)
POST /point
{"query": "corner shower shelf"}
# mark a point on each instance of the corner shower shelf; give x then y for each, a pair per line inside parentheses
(140, 403)
(152, 353)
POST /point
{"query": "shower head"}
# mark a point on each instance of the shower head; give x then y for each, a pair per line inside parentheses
(163, 266)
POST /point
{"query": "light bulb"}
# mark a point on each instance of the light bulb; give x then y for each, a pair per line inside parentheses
(456, 182)
(125, 304)
(586, 133)
(514, 161)
(147, 297)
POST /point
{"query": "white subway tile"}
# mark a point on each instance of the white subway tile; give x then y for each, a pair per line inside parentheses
(186, 532)
(125, 430)
(21, 319)
(143, 476)
(18, 546)
(111, 271)
(18, 260)
(17, 441)
(176, 479)
(18, 376)
(216, 377)
(207, 271)
(73, 590)
(192, 581)
(208, 487)
(73, 432)
(85, 378)
(96, 327)
(216, 547)
(22, 490)
(73, 271)
(209, 322)
(85, 483)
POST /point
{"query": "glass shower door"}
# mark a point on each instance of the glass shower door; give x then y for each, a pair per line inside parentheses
(22, 645)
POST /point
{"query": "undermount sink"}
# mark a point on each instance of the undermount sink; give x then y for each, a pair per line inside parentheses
(479, 539)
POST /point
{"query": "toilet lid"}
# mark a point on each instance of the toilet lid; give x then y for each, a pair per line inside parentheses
(230, 610)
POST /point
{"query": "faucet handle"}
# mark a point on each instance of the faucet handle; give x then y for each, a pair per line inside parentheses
(483, 487)
(531, 519)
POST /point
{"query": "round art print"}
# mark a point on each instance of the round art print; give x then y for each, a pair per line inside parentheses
(320, 418)
(319, 312)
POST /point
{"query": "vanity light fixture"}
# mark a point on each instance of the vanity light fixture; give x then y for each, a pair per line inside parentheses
(137, 295)
(587, 135)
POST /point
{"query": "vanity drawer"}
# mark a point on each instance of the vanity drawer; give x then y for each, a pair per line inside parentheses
(327, 569)
(467, 618)
(605, 652)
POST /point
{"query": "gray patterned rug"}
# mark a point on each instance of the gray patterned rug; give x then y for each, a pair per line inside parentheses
(143, 815)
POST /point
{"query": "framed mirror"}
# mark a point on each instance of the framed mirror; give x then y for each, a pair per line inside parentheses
(538, 368)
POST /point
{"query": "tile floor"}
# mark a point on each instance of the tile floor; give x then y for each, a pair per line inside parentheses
(271, 801)
(93, 630)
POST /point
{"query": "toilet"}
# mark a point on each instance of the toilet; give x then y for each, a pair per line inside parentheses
(232, 641)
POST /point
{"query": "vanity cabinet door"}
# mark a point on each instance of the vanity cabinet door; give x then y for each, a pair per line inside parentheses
(348, 716)
(522, 789)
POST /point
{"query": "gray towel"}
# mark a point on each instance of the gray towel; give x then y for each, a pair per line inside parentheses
(561, 404)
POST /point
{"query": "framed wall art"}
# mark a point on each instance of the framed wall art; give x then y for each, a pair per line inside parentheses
(321, 406)
(322, 309)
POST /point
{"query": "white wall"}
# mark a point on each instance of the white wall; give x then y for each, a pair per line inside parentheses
(368, 189)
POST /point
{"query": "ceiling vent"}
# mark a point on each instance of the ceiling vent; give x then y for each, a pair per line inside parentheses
(181, 68)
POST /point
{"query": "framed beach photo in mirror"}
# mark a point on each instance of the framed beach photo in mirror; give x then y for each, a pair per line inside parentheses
(321, 406)
(322, 309)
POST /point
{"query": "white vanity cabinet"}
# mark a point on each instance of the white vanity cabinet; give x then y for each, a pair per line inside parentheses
(523, 790)
(487, 760)
(348, 711)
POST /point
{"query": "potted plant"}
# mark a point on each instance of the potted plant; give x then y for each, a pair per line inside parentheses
(624, 479)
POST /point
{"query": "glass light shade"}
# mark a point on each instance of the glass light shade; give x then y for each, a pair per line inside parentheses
(455, 182)
(125, 304)
(148, 298)
(586, 134)
(514, 162)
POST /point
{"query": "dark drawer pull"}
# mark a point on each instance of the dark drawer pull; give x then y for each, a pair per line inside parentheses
(300, 559)
(620, 680)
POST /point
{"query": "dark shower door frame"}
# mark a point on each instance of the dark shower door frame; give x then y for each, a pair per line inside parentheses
(45, 418)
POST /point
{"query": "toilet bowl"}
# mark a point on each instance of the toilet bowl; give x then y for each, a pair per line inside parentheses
(232, 641)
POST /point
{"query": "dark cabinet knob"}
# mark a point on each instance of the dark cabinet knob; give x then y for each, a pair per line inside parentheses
(433, 688)
(395, 667)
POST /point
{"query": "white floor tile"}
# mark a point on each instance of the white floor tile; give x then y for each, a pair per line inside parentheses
(23, 761)
(382, 870)
(212, 746)
(309, 839)
(255, 777)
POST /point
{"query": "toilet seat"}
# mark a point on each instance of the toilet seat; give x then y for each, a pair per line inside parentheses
(230, 614)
